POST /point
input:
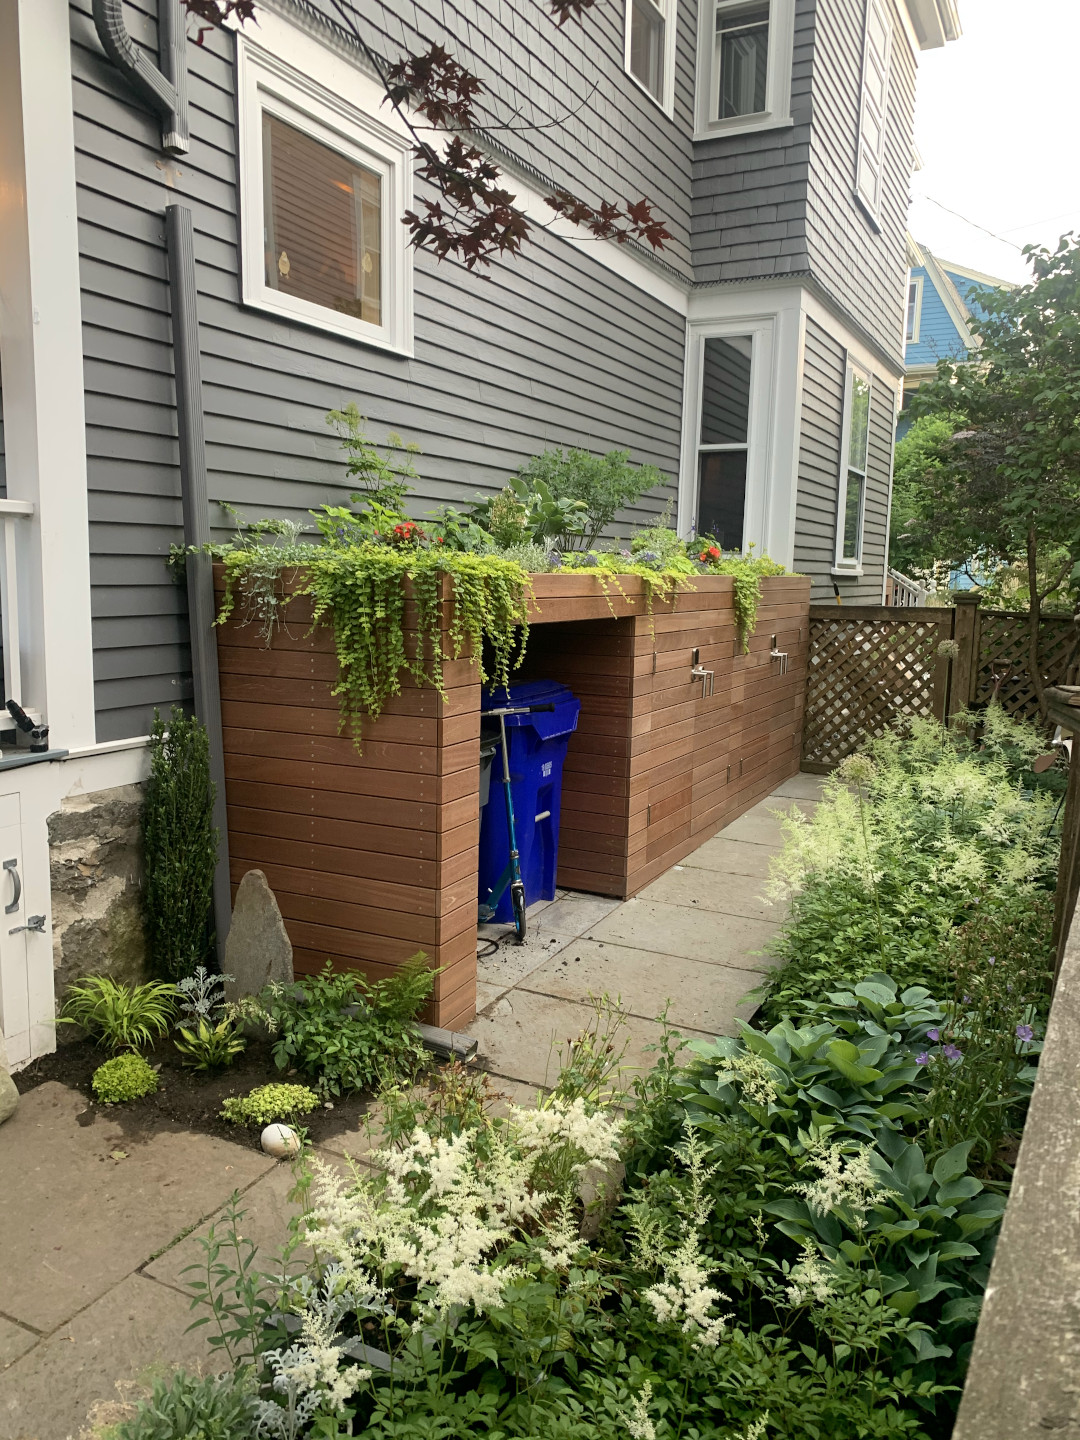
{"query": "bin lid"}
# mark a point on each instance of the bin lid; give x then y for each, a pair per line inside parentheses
(546, 723)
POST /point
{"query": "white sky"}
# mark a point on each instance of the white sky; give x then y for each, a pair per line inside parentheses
(997, 125)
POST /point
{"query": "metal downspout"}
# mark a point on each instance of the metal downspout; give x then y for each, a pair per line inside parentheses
(180, 238)
(164, 90)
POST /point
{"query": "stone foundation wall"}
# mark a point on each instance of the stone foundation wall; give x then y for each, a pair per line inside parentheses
(95, 856)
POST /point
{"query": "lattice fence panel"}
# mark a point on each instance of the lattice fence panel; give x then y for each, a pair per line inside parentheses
(866, 672)
(1003, 659)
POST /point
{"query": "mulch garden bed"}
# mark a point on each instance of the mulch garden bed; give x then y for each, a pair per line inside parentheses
(188, 1099)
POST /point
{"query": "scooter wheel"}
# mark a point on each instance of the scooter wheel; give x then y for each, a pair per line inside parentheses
(517, 897)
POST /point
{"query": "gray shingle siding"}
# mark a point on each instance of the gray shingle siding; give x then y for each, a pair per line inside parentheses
(824, 371)
(863, 267)
(551, 348)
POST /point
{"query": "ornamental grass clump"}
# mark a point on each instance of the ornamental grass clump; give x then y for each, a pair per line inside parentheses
(119, 1016)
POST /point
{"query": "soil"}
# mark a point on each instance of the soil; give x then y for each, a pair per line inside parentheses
(188, 1099)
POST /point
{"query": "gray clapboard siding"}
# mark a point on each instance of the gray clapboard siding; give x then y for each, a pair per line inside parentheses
(549, 349)
(862, 265)
(825, 365)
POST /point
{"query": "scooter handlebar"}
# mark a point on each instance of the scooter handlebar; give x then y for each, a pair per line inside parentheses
(517, 710)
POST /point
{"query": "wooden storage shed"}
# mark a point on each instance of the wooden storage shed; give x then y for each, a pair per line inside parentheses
(373, 855)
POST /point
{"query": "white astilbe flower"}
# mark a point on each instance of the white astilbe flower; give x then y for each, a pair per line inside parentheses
(756, 1430)
(811, 1278)
(449, 1205)
(560, 1239)
(684, 1296)
(845, 1181)
(636, 1419)
(754, 1076)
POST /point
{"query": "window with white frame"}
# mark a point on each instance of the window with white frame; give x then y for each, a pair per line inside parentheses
(744, 64)
(914, 309)
(853, 462)
(323, 186)
(874, 105)
(650, 48)
(724, 439)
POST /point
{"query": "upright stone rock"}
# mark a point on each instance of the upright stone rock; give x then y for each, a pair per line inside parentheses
(258, 949)
(9, 1096)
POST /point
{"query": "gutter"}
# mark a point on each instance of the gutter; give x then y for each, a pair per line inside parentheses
(180, 238)
(164, 91)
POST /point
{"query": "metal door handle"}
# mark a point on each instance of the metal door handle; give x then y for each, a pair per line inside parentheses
(35, 923)
(707, 678)
(13, 867)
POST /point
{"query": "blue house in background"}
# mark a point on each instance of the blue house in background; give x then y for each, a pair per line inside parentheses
(941, 301)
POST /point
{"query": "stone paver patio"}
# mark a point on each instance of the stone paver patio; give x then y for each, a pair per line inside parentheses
(97, 1226)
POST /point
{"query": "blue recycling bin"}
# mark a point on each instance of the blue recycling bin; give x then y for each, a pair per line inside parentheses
(537, 745)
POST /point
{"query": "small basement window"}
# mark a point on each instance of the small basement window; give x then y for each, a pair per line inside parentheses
(323, 188)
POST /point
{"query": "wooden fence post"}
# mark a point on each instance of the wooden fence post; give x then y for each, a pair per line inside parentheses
(965, 668)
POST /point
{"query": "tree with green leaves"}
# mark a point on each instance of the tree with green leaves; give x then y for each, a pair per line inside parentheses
(912, 548)
(179, 846)
(1004, 487)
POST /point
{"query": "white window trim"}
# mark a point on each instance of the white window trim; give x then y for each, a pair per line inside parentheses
(777, 110)
(841, 565)
(669, 10)
(773, 317)
(872, 209)
(917, 281)
(315, 100)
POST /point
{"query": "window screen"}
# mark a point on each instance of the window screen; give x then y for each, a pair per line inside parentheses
(724, 439)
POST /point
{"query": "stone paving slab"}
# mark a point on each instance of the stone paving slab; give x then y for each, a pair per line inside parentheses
(512, 962)
(139, 1324)
(694, 934)
(708, 890)
(14, 1341)
(87, 1203)
(732, 857)
(761, 825)
(703, 997)
(576, 914)
(800, 787)
(518, 1035)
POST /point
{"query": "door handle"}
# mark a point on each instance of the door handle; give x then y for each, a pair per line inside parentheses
(13, 867)
(36, 923)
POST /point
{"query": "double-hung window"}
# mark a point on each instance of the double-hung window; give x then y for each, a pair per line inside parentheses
(650, 48)
(744, 64)
(853, 462)
(723, 441)
(874, 106)
(914, 309)
(324, 183)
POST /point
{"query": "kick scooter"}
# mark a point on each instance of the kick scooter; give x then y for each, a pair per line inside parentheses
(512, 874)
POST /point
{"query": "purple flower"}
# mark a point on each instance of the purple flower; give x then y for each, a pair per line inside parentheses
(951, 1052)
(923, 1059)
(966, 1000)
(991, 959)
(1025, 1032)
(934, 1035)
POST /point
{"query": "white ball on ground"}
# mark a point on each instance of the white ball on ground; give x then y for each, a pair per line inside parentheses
(281, 1141)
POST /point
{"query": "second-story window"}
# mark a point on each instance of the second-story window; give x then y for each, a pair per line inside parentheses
(744, 65)
(914, 307)
(741, 59)
(650, 47)
(874, 107)
(852, 500)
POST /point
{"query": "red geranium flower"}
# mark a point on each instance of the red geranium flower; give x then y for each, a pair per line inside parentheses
(709, 555)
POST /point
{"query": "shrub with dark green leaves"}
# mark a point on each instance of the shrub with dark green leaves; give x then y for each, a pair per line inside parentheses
(187, 1407)
(179, 845)
(347, 1034)
(124, 1077)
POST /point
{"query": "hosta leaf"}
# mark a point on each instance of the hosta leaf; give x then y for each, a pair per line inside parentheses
(953, 1163)
(966, 1188)
(904, 1301)
(963, 1310)
(956, 1250)
(844, 1056)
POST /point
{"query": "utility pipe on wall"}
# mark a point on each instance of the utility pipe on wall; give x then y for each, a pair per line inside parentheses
(163, 90)
(180, 238)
